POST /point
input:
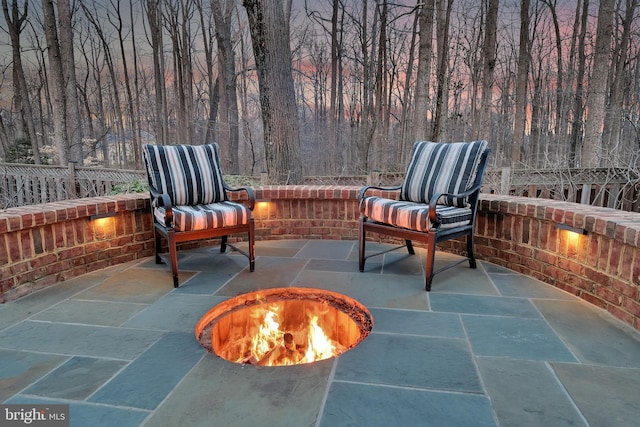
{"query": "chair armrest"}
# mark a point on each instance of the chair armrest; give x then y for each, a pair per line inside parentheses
(251, 199)
(363, 190)
(162, 200)
(434, 201)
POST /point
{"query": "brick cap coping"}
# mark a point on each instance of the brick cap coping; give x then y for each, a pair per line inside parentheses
(612, 223)
(615, 224)
(25, 217)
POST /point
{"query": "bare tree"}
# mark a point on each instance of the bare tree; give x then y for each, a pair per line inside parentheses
(58, 82)
(154, 19)
(118, 24)
(560, 121)
(222, 12)
(98, 29)
(423, 78)
(213, 94)
(522, 80)
(578, 98)
(613, 119)
(15, 23)
(75, 135)
(269, 26)
(489, 64)
(597, 91)
(443, 18)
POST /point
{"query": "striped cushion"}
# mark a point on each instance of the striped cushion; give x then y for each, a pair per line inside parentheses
(202, 217)
(189, 174)
(413, 216)
(437, 167)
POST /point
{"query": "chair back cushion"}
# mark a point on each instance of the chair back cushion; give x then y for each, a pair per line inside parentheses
(189, 174)
(437, 167)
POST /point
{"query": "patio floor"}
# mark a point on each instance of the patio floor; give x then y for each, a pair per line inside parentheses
(485, 347)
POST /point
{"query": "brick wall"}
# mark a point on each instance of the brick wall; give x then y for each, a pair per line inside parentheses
(43, 244)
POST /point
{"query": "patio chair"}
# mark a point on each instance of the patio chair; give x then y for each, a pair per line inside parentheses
(189, 200)
(437, 201)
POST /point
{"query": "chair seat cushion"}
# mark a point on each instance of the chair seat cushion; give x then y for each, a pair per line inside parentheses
(413, 216)
(202, 217)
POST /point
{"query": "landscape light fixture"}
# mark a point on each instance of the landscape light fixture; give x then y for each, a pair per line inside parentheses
(572, 229)
(102, 215)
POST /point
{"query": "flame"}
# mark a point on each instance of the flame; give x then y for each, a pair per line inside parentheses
(272, 346)
(319, 346)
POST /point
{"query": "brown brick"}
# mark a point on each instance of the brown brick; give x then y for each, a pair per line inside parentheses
(621, 314)
(632, 307)
(26, 245)
(625, 288)
(597, 276)
(43, 260)
(613, 266)
(594, 300)
(609, 295)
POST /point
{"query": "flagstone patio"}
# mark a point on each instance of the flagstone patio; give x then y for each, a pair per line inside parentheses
(486, 347)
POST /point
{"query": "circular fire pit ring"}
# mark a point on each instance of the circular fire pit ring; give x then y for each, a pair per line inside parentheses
(284, 326)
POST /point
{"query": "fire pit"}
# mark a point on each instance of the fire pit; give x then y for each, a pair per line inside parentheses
(284, 326)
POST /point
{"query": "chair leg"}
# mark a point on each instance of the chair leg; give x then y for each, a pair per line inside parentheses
(173, 252)
(431, 258)
(158, 245)
(252, 244)
(470, 251)
(410, 247)
(361, 244)
(223, 244)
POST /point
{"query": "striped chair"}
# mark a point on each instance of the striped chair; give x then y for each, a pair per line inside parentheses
(437, 201)
(189, 200)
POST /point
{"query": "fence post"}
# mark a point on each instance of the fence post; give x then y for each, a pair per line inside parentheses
(373, 178)
(73, 191)
(505, 180)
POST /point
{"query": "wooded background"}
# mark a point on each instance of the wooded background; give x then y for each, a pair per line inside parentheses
(322, 87)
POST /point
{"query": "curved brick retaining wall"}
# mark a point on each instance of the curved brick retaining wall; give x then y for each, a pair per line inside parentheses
(44, 244)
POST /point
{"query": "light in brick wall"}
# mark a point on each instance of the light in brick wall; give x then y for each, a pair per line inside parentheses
(571, 229)
(103, 224)
(102, 216)
(262, 206)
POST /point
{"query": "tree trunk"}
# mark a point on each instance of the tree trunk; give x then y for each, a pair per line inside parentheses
(443, 17)
(560, 70)
(227, 74)
(598, 86)
(131, 112)
(403, 148)
(74, 121)
(206, 27)
(15, 22)
(489, 65)
(613, 116)
(522, 79)
(333, 91)
(423, 76)
(57, 75)
(578, 111)
(269, 25)
(114, 89)
(154, 17)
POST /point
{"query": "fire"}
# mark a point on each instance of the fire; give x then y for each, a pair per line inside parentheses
(284, 326)
(272, 346)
